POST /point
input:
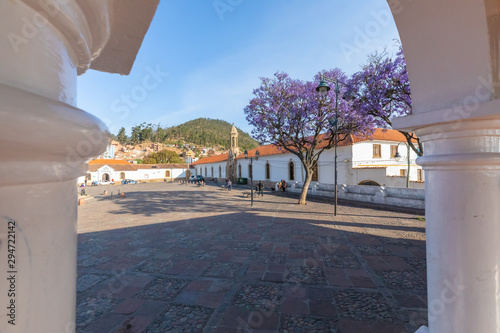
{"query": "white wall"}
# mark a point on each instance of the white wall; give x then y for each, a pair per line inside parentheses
(279, 165)
(149, 174)
(363, 157)
(391, 196)
(353, 166)
(200, 170)
(140, 174)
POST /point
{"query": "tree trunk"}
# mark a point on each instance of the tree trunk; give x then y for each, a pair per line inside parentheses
(303, 195)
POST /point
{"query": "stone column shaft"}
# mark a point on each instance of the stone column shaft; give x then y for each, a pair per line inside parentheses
(462, 164)
(45, 143)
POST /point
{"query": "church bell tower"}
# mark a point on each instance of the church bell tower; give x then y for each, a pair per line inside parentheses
(234, 151)
(234, 142)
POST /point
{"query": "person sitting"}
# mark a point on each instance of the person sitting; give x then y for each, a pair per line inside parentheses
(283, 185)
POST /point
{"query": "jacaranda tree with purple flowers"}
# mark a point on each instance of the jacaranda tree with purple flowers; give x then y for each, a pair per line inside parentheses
(290, 114)
(382, 90)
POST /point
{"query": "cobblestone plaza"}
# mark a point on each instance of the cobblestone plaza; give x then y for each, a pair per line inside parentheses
(174, 258)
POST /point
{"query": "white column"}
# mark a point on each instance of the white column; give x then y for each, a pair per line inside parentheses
(462, 164)
(455, 87)
(44, 145)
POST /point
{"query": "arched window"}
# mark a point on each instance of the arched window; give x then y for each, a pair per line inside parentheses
(205, 171)
(167, 174)
(89, 176)
(220, 171)
(315, 173)
(239, 170)
(268, 170)
(250, 171)
(291, 171)
(122, 175)
(212, 171)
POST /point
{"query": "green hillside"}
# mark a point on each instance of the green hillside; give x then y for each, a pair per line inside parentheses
(200, 132)
(208, 132)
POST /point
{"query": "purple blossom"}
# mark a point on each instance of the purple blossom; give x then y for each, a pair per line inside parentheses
(291, 114)
(380, 91)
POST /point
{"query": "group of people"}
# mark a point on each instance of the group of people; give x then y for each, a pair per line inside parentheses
(260, 186)
(282, 185)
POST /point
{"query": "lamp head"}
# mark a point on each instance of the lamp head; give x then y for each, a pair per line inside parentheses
(246, 154)
(323, 87)
(397, 156)
(257, 154)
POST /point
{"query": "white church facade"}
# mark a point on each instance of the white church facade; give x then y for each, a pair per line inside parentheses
(360, 161)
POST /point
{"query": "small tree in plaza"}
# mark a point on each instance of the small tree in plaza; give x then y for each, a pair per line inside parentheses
(164, 156)
(290, 114)
(381, 89)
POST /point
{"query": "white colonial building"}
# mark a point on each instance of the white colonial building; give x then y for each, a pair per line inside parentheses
(117, 170)
(360, 161)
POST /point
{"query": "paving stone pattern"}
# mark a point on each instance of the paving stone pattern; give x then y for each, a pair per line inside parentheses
(175, 258)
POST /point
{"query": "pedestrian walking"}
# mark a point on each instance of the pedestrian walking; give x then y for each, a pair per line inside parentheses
(260, 189)
(229, 184)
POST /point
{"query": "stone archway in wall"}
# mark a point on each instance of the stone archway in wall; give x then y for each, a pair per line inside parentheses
(369, 183)
(105, 177)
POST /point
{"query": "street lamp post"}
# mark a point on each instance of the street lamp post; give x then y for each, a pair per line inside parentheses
(323, 88)
(230, 167)
(257, 154)
(397, 157)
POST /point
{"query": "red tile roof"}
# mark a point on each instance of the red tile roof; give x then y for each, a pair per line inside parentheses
(116, 167)
(162, 166)
(380, 134)
(123, 165)
(212, 159)
(108, 161)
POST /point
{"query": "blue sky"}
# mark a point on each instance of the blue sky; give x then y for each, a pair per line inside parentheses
(208, 56)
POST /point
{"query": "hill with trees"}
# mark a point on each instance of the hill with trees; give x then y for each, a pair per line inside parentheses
(200, 132)
(210, 132)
